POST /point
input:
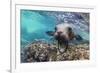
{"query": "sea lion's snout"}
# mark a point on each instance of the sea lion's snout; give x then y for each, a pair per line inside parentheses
(59, 33)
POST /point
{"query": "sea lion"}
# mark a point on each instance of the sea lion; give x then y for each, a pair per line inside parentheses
(63, 34)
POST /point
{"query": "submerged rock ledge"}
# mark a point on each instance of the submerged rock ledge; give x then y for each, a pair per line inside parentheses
(44, 52)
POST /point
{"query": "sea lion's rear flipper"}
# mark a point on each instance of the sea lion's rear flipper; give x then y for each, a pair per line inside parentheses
(50, 33)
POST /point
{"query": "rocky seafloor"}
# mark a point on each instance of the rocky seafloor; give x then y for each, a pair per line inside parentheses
(44, 52)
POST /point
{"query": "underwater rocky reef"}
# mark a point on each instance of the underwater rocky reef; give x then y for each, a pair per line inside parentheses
(40, 51)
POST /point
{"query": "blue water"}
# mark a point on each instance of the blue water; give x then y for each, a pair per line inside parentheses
(34, 24)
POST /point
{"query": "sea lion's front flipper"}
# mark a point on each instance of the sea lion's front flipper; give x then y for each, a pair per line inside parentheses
(50, 33)
(78, 38)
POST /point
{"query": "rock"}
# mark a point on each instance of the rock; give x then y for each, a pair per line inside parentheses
(43, 52)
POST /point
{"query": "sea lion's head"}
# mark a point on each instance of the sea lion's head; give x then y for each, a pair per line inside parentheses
(64, 32)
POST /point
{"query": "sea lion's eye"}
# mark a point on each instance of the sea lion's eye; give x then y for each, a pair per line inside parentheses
(69, 29)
